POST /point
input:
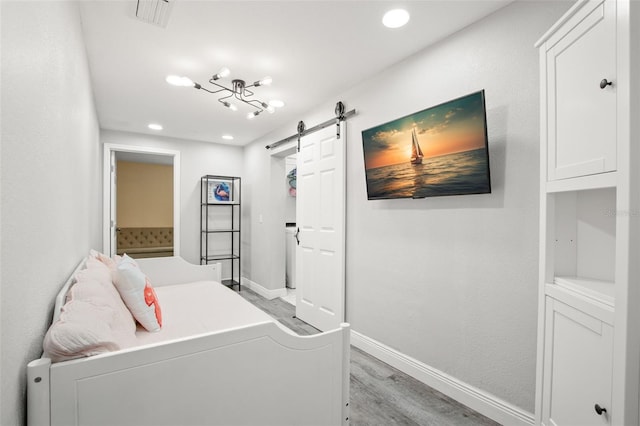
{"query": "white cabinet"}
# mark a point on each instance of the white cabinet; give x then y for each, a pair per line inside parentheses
(581, 105)
(589, 283)
(578, 357)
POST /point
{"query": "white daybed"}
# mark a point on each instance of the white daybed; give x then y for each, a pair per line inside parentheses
(246, 369)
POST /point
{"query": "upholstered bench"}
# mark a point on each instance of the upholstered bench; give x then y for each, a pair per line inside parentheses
(145, 242)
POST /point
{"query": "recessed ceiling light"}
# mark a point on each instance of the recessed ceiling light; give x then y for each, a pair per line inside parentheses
(395, 18)
(227, 137)
(154, 126)
(276, 103)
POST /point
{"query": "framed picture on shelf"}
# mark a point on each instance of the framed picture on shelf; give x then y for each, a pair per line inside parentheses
(219, 191)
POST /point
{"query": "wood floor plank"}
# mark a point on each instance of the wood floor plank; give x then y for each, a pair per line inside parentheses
(380, 394)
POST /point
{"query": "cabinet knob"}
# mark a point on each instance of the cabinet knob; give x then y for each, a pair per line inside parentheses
(604, 83)
(600, 409)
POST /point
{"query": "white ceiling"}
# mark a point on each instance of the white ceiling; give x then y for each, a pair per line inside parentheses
(314, 50)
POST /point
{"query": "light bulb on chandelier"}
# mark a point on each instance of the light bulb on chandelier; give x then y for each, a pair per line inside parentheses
(224, 72)
(264, 82)
(239, 90)
(229, 105)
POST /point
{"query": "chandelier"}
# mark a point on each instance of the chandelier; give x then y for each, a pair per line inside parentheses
(239, 91)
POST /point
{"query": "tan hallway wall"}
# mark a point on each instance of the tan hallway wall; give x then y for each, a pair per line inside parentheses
(144, 195)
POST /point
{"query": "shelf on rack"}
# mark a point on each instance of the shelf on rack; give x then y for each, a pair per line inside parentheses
(213, 231)
(230, 283)
(215, 257)
(220, 204)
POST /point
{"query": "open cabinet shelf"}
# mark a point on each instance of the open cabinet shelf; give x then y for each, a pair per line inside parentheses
(582, 238)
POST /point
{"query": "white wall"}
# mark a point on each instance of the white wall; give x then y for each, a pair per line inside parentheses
(263, 217)
(449, 281)
(197, 159)
(50, 182)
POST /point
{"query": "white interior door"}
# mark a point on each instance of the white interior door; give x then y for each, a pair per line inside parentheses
(112, 206)
(320, 217)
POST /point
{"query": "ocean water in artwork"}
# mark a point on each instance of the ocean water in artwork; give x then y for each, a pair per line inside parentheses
(459, 173)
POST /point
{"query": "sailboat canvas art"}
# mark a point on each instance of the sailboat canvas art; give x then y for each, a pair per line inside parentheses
(416, 152)
(442, 150)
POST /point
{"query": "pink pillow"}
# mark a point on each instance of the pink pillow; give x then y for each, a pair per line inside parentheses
(94, 292)
(110, 263)
(83, 329)
(138, 294)
(101, 257)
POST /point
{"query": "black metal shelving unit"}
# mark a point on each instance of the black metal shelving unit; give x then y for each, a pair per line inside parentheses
(220, 230)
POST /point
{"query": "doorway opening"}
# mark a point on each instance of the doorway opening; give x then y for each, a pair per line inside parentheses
(284, 176)
(144, 205)
(141, 201)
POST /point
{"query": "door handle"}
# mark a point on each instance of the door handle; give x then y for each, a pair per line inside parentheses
(296, 235)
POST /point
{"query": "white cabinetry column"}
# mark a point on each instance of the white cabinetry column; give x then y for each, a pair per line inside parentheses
(588, 369)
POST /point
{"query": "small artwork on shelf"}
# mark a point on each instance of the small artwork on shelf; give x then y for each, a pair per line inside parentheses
(219, 191)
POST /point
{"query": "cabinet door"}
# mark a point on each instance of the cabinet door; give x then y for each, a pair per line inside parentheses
(577, 367)
(582, 116)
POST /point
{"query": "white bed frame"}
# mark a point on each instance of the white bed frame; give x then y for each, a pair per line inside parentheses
(261, 374)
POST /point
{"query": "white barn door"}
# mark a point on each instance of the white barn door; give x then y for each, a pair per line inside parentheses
(320, 217)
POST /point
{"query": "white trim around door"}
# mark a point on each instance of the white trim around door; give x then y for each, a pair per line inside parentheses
(107, 191)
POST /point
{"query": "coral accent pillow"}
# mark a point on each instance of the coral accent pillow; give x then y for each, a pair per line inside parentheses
(138, 294)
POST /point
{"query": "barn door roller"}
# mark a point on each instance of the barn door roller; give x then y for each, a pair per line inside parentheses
(341, 115)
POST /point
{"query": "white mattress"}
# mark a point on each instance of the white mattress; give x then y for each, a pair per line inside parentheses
(200, 307)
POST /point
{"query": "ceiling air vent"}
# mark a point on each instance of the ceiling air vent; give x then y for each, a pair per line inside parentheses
(155, 12)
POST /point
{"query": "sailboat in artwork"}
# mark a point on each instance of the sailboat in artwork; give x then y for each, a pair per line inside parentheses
(416, 152)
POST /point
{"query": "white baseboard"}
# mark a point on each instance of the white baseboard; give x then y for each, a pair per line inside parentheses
(477, 399)
(262, 291)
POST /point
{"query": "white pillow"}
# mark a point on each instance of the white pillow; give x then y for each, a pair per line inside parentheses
(136, 291)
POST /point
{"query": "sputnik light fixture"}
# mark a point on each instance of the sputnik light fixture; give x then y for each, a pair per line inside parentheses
(239, 91)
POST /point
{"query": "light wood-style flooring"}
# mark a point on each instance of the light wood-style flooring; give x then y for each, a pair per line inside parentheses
(380, 394)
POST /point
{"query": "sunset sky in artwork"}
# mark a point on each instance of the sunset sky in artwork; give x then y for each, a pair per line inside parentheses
(454, 126)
